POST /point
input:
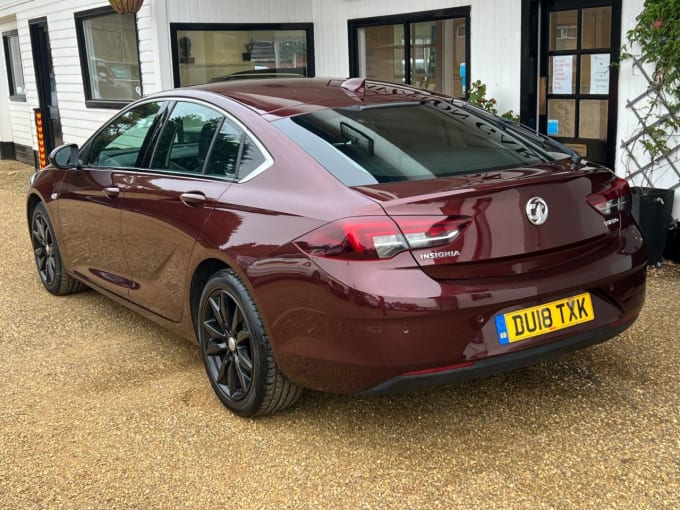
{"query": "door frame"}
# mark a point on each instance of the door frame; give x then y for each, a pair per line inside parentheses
(42, 65)
(535, 38)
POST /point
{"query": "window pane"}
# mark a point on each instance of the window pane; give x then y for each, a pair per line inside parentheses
(563, 30)
(186, 138)
(225, 151)
(112, 57)
(562, 74)
(215, 55)
(437, 52)
(597, 27)
(437, 57)
(251, 159)
(562, 117)
(119, 143)
(381, 53)
(17, 72)
(595, 73)
(592, 121)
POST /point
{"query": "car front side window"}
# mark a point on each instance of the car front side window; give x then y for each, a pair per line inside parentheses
(120, 143)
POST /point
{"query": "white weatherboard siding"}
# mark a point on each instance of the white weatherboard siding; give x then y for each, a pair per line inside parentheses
(631, 85)
(77, 120)
(495, 44)
(495, 49)
(153, 20)
(6, 126)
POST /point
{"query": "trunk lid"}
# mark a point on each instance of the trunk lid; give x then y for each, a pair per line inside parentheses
(498, 237)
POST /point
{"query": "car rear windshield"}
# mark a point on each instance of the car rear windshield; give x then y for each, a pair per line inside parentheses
(402, 141)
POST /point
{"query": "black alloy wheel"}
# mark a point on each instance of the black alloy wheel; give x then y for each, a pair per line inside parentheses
(47, 257)
(236, 351)
(229, 349)
(43, 248)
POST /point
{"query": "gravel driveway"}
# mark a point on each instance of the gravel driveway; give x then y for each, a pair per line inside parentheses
(101, 408)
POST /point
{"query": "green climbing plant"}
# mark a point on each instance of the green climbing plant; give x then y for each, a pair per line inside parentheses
(654, 42)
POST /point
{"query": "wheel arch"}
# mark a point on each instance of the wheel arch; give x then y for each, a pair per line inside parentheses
(202, 273)
(32, 202)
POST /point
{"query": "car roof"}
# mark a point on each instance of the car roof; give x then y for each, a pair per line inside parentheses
(284, 97)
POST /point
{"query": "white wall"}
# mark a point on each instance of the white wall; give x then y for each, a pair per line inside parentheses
(631, 84)
(6, 24)
(77, 121)
(153, 20)
(495, 44)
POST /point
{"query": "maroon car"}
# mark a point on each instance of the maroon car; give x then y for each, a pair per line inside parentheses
(347, 236)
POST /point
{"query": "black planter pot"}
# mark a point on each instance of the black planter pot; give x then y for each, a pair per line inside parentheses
(672, 251)
(652, 209)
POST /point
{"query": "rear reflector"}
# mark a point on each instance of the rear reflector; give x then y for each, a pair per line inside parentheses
(613, 199)
(439, 369)
(371, 237)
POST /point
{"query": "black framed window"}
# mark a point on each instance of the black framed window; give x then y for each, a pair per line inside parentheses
(203, 53)
(15, 71)
(109, 57)
(426, 49)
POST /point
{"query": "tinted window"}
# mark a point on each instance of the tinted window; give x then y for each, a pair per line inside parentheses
(251, 159)
(119, 143)
(227, 153)
(406, 141)
(186, 138)
(224, 155)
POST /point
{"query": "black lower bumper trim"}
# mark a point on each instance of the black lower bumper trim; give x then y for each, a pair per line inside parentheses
(497, 364)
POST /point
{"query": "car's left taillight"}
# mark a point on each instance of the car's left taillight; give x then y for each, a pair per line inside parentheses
(613, 199)
(374, 238)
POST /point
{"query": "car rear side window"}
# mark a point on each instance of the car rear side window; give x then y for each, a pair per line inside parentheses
(186, 138)
(363, 145)
(119, 144)
(232, 148)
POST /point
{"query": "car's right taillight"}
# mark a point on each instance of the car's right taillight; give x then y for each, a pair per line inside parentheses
(372, 238)
(614, 199)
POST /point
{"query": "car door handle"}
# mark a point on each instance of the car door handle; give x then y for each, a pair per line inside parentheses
(112, 191)
(192, 198)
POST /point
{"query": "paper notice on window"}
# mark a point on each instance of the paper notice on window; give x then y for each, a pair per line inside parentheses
(562, 74)
(599, 73)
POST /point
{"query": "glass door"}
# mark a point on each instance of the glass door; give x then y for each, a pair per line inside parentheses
(578, 81)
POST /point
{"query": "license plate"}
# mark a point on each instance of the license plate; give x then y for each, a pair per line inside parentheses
(539, 320)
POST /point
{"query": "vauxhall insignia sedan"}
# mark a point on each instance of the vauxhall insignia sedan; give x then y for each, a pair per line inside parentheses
(348, 236)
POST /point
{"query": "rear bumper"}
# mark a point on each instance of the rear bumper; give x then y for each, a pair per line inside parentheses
(355, 338)
(497, 364)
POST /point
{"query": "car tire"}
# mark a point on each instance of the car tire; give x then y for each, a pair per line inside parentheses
(47, 256)
(236, 351)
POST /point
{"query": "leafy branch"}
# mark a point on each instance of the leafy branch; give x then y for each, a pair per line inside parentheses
(477, 97)
(654, 44)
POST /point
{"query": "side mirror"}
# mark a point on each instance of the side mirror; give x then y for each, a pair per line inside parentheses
(66, 157)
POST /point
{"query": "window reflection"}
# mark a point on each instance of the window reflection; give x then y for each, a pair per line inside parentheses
(435, 51)
(214, 55)
(110, 46)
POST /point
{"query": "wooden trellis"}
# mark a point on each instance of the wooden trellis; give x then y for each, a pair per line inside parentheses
(643, 172)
